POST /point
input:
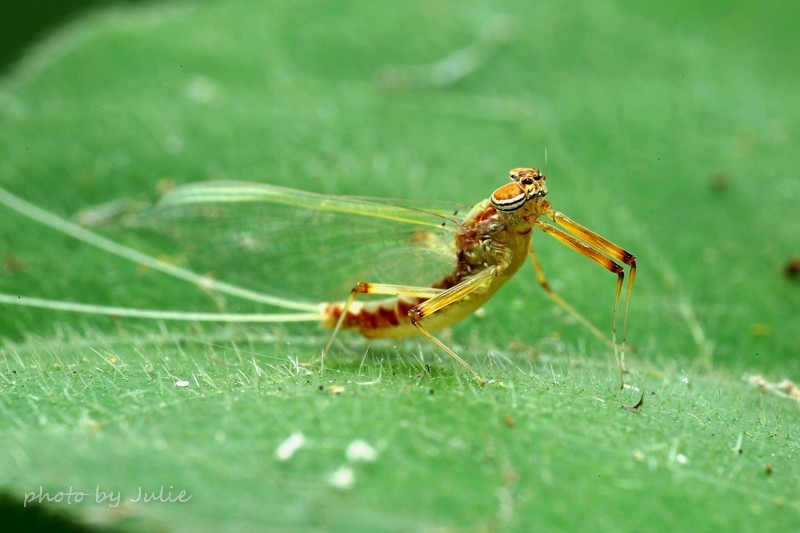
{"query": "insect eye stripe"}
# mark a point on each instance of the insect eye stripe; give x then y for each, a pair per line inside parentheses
(509, 203)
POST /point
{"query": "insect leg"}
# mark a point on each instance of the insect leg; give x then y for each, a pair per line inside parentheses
(448, 297)
(612, 249)
(585, 249)
(574, 313)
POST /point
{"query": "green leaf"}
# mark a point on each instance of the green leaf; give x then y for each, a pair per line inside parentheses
(668, 129)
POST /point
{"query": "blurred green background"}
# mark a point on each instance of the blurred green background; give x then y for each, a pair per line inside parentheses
(31, 21)
(669, 129)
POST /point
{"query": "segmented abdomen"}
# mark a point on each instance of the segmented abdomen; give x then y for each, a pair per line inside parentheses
(387, 318)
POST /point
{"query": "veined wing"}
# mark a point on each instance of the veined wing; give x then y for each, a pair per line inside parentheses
(420, 212)
(294, 243)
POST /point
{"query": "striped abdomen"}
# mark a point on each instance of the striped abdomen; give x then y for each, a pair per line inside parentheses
(386, 318)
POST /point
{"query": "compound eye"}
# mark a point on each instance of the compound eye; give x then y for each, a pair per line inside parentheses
(527, 181)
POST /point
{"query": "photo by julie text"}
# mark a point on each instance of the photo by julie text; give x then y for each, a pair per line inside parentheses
(112, 498)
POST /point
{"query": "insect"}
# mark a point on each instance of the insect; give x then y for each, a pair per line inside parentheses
(480, 250)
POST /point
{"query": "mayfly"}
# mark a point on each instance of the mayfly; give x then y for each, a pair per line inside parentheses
(483, 248)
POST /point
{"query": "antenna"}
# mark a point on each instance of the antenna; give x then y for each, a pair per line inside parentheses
(545, 161)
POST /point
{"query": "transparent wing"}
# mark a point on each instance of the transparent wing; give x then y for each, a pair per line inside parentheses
(304, 245)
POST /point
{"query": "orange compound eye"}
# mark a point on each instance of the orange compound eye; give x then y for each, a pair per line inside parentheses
(509, 197)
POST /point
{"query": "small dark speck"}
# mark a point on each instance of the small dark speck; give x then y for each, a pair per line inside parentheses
(321, 387)
(719, 181)
(769, 470)
(792, 268)
(430, 391)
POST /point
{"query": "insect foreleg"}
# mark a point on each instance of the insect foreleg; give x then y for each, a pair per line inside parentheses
(558, 299)
(610, 265)
(612, 249)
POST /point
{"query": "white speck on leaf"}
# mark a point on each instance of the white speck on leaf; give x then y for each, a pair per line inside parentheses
(343, 478)
(287, 448)
(359, 450)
